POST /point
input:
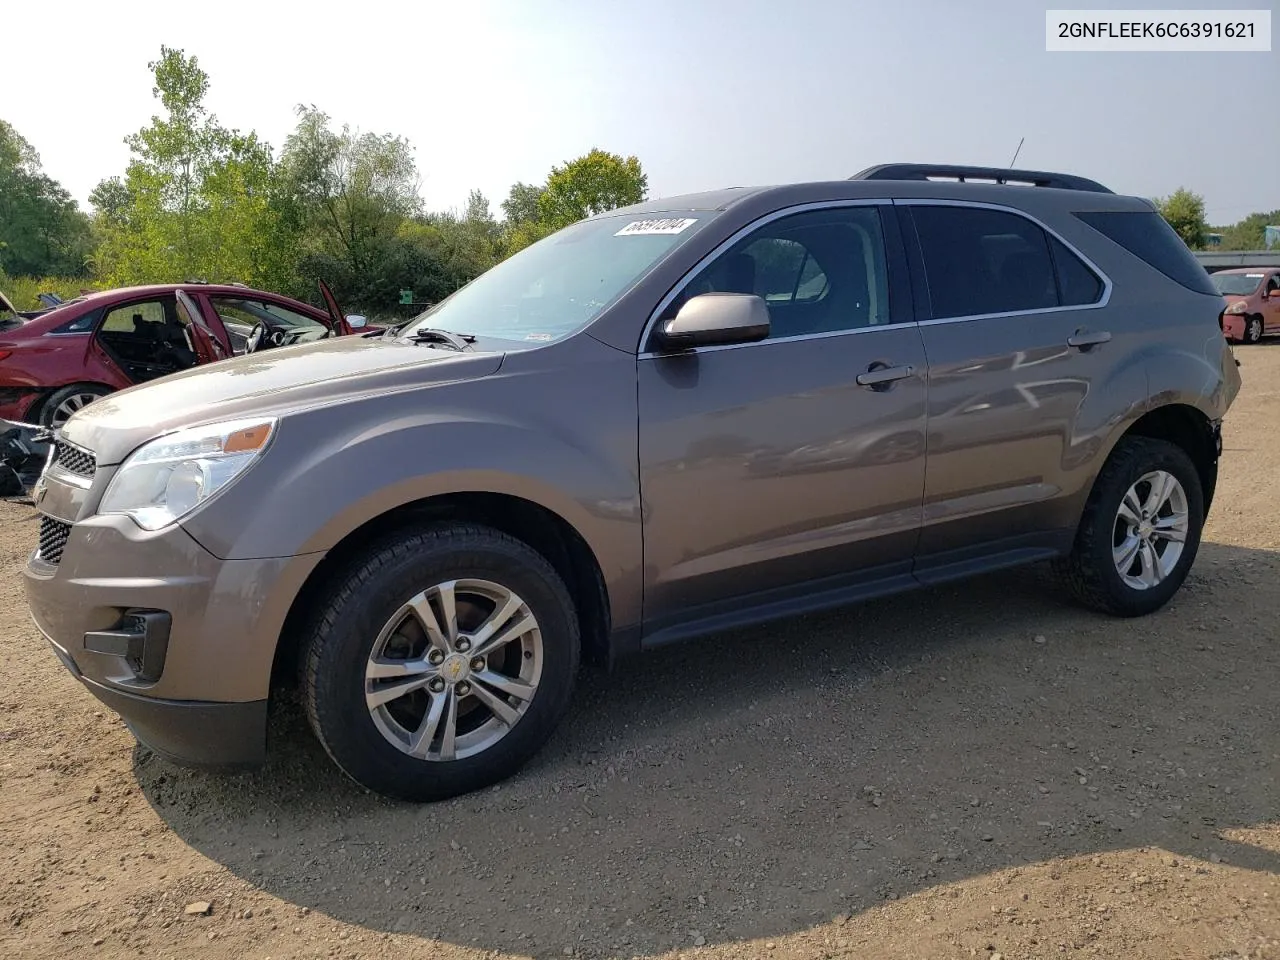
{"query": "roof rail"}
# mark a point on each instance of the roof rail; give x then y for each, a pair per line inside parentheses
(930, 171)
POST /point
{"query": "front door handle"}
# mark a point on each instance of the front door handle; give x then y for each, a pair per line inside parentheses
(879, 376)
(1083, 341)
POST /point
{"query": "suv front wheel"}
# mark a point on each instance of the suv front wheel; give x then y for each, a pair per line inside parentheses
(443, 661)
(1140, 530)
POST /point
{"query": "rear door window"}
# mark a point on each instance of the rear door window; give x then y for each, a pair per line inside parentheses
(980, 261)
(143, 319)
(1078, 286)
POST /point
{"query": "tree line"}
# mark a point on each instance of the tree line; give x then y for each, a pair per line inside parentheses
(1184, 211)
(201, 200)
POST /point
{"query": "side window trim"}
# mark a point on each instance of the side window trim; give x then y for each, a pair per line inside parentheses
(900, 306)
(929, 319)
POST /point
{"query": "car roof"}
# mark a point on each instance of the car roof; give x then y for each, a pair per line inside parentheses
(781, 195)
(1257, 270)
(125, 292)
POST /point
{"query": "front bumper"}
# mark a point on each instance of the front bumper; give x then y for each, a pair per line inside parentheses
(225, 736)
(200, 696)
(1233, 326)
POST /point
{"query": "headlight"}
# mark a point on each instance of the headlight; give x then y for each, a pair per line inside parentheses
(166, 478)
(1238, 307)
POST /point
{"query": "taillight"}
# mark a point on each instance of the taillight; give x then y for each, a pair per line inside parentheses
(4, 354)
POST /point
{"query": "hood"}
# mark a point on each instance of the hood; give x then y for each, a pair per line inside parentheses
(273, 382)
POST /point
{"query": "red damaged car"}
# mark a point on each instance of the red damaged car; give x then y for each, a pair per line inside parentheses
(54, 364)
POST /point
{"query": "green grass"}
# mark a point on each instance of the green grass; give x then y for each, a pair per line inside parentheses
(22, 291)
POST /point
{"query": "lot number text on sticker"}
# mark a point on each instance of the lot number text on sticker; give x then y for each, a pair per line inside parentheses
(650, 227)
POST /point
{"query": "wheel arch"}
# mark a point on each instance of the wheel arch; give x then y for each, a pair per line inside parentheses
(533, 524)
(1190, 429)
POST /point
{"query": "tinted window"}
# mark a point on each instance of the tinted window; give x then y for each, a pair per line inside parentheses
(1146, 235)
(981, 261)
(1077, 284)
(819, 272)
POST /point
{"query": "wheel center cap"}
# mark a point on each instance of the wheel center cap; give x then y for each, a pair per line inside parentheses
(454, 668)
(1145, 528)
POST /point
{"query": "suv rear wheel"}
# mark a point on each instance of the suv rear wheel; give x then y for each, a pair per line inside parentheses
(444, 660)
(1140, 531)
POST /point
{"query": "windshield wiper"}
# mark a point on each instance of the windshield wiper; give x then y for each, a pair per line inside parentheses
(459, 341)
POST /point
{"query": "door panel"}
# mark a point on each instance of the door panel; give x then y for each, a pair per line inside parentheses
(1006, 398)
(767, 466)
(1017, 351)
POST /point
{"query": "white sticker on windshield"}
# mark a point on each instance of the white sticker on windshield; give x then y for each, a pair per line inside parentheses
(1254, 276)
(665, 225)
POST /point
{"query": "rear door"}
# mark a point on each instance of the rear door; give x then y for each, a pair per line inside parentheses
(1015, 342)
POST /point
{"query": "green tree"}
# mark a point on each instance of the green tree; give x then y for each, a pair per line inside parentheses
(521, 205)
(195, 200)
(1184, 211)
(591, 184)
(1249, 233)
(42, 230)
(354, 190)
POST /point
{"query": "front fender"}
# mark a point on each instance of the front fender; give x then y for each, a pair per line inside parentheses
(320, 481)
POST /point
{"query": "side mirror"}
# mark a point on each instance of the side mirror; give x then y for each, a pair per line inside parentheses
(355, 321)
(716, 319)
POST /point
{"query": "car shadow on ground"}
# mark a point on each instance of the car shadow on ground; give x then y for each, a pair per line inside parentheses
(757, 783)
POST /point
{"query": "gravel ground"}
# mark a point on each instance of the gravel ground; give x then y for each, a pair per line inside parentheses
(984, 770)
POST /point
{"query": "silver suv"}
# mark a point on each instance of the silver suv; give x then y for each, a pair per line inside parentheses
(667, 420)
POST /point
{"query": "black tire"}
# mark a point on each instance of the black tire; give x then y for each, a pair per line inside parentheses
(367, 595)
(49, 409)
(1090, 570)
(1252, 329)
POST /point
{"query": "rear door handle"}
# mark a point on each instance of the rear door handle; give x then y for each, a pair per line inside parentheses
(880, 376)
(1082, 341)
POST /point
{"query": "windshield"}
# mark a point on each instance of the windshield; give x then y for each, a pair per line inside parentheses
(1236, 284)
(558, 285)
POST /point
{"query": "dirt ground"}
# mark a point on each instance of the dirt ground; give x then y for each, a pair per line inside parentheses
(984, 770)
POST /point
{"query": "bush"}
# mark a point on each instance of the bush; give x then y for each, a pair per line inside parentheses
(22, 291)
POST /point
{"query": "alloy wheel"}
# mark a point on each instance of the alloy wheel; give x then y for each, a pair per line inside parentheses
(454, 670)
(1151, 528)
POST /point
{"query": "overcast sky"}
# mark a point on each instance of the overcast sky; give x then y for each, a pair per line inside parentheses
(707, 93)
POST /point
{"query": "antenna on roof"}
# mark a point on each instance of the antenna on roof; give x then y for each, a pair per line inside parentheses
(1016, 152)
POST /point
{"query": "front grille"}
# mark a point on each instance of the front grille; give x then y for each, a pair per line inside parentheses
(73, 459)
(53, 538)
